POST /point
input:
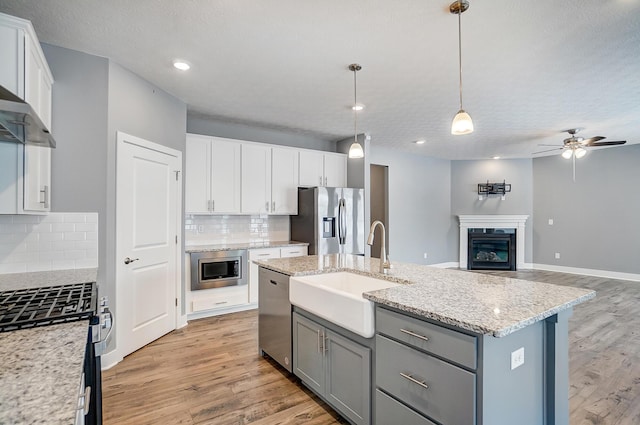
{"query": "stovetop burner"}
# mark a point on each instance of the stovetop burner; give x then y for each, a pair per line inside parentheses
(28, 308)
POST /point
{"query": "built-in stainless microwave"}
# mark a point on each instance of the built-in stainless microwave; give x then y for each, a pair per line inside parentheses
(217, 269)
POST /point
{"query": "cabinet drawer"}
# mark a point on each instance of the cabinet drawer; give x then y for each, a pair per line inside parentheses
(293, 251)
(437, 389)
(389, 411)
(220, 298)
(264, 254)
(454, 346)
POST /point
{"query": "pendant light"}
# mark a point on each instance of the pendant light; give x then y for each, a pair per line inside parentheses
(462, 123)
(355, 151)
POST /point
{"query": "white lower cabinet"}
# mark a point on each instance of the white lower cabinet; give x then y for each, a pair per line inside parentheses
(265, 254)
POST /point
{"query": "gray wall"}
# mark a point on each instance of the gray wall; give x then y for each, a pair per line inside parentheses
(79, 125)
(419, 207)
(596, 222)
(92, 99)
(138, 108)
(211, 127)
(465, 176)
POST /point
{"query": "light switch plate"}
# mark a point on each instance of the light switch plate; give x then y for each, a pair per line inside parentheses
(517, 358)
(550, 222)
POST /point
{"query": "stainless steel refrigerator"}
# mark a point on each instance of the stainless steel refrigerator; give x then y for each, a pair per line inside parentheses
(330, 220)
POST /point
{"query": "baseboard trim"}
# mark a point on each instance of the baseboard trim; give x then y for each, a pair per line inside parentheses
(110, 359)
(588, 272)
(211, 313)
(449, 265)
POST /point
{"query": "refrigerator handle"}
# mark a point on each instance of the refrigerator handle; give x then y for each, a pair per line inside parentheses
(342, 222)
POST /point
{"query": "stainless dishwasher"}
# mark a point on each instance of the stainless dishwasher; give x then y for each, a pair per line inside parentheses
(274, 317)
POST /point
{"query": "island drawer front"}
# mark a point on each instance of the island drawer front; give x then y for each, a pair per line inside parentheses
(389, 411)
(454, 346)
(435, 388)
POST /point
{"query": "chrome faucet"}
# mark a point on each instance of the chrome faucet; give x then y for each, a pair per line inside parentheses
(385, 264)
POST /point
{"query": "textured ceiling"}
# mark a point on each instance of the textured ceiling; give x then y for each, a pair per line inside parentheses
(531, 68)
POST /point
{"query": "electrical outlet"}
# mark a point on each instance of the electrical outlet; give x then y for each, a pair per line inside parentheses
(517, 358)
(200, 228)
(557, 255)
(425, 255)
(550, 222)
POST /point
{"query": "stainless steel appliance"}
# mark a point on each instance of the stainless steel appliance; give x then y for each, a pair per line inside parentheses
(20, 124)
(216, 269)
(274, 317)
(51, 305)
(330, 220)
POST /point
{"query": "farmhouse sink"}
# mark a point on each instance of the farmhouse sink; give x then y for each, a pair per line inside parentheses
(337, 297)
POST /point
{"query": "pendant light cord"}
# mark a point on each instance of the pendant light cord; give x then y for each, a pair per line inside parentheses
(460, 48)
(355, 107)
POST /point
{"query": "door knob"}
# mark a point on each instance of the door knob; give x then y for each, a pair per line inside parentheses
(130, 260)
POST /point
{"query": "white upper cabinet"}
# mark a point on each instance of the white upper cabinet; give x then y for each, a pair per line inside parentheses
(284, 181)
(24, 71)
(212, 175)
(335, 170)
(322, 169)
(269, 179)
(256, 179)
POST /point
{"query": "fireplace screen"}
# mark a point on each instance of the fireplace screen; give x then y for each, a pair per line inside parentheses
(492, 249)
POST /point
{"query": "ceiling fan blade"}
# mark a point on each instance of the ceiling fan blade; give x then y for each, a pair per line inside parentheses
(548, 150)
(621, 142)
(540, 144)
(590, 140)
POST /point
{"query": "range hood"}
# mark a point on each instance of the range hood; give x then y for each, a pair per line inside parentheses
(19, 123)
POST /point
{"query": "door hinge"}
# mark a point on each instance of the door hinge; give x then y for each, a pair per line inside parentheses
(177, 174)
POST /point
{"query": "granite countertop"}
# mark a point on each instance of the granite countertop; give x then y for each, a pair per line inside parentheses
(485, 304)
(41, 368)
(248, 245)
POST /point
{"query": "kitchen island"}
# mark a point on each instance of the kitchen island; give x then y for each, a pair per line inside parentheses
(41, 368)
(491, 350)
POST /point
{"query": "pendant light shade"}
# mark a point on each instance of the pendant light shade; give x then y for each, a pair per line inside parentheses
(462, 123)
(355, 151)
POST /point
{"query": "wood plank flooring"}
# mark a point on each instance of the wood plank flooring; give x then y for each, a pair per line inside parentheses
(210, 372)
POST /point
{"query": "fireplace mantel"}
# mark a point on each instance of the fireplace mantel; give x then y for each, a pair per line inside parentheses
(492, 221)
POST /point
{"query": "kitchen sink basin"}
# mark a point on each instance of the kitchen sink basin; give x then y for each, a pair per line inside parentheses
(337, 297)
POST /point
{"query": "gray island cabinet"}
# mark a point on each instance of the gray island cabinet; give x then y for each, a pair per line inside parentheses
(451, 347)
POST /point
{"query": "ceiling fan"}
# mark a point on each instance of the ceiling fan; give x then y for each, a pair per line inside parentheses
(574, 146)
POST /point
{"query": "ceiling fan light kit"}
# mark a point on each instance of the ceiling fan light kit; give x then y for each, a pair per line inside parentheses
(462, 123)
(355, 151)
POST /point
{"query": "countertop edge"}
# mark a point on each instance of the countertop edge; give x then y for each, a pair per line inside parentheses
(188, 249)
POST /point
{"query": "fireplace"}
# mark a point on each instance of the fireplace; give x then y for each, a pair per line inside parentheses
(491, 249)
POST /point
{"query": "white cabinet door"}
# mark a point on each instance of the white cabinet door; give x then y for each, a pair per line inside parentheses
(37, 179)
(197, 175)
(212, 173)
(256, 179)
(311, 166)
(335, 170)
(284, 181)
(225, 176)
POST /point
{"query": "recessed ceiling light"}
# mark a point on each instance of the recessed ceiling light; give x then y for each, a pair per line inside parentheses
(181, 65)
(496, 157)
(420, 142)
(358, 107)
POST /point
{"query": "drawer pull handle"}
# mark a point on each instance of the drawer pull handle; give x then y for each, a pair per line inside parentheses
(424, 338)
(273, 282)
(414, 380)
(263, 255)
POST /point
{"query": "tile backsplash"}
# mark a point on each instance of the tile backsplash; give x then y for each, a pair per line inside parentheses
(223, 229)
(55, 241)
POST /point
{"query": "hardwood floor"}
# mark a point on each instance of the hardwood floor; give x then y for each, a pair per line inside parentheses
(210, 371)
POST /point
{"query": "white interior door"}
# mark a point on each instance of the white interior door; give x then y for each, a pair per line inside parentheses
(147, 214)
